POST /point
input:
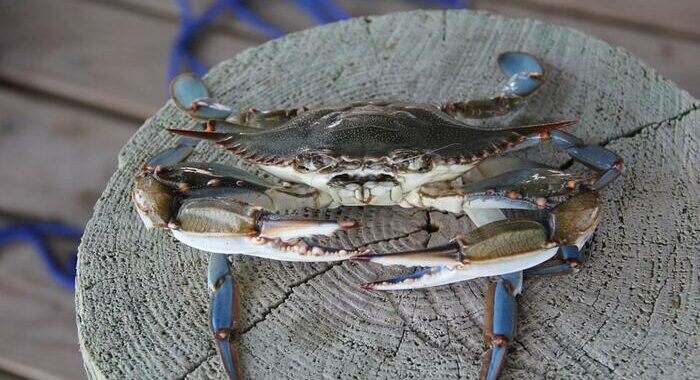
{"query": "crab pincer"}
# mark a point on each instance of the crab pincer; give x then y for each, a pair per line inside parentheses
(496, 248)
(223, 209)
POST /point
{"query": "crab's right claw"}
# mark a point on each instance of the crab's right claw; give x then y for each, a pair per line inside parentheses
(190, 94)
(496, 248)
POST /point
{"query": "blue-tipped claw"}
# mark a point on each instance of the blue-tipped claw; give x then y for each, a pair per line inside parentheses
(222, 318)
(525, 73)
(525, 76)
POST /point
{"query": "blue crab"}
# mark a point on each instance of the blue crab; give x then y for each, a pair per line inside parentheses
(379, 153)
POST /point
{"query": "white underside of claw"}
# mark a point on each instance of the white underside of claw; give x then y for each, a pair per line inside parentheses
(276, 249)
(448, 275)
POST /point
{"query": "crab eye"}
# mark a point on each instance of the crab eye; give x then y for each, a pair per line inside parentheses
(420, 164)
(307, 163)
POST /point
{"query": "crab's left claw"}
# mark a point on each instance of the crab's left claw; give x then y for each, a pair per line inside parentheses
(190, 94)
(496, 248)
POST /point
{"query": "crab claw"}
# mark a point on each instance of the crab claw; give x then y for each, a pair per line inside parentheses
(152, 201)
(496, 248)
(190, 94)
(274, 226)
(222, 225)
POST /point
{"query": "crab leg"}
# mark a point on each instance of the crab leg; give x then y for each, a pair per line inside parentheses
(528, 188)
(190, 94)
(525, 76)
(593, 156)
(223, 312)
(569, 260)
(500, 322)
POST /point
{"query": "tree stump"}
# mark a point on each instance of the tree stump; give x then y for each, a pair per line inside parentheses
(142, 300)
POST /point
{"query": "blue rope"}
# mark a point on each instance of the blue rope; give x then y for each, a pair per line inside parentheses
(34, 234)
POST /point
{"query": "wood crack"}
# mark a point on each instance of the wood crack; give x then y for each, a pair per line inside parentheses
(286, 296)
(654, 125)
(638, 130)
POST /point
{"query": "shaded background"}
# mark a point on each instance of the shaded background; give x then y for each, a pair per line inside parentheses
(77, 77)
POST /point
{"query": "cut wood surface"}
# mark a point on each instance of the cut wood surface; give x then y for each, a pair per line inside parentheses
(632, 312)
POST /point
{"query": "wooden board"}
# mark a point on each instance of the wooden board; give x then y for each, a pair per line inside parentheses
(87, 62)
(56, 158)
(142, 299)
(37, 320)
(112, 59)
(673, 57)
(675, 17)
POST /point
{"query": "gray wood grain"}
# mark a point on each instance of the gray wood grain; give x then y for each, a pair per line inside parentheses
(142, 300)
(37, 320)
(56, 157)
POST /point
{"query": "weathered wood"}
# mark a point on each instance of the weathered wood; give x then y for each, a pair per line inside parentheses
(123, 72)
(679, 17)
(142, 298)
(37, 320)
(112, 59)
(673, 57)
(56, 158)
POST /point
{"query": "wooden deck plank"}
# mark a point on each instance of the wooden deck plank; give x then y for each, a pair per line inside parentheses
(674, 58)
(679, 17)
(124, 72)
(98, 55)
(37, 320)
(56, 159)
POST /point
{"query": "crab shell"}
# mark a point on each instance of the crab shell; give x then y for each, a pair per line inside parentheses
(397, 146)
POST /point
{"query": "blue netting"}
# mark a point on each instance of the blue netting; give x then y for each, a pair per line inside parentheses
(35, 234)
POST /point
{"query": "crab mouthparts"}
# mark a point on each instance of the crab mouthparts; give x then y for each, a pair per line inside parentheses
(370, 189)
